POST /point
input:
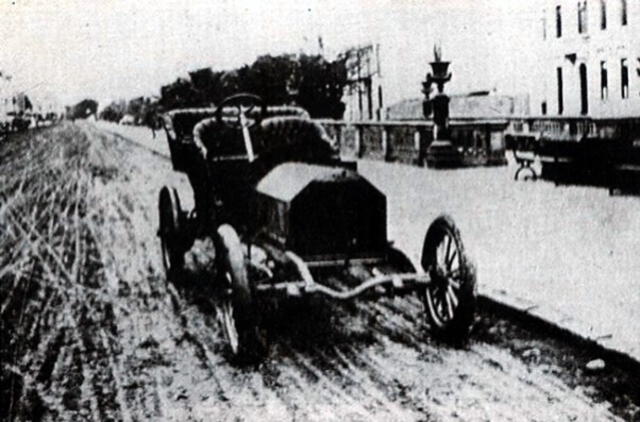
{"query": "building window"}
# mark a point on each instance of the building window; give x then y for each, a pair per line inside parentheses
(604, 81)
(623, 12)
(584, 89)
(558, 22)
(544, 26)
(638, 70)
(543, 108)
(560, 99)
(624, 79)
(582, 17)
(603, 14)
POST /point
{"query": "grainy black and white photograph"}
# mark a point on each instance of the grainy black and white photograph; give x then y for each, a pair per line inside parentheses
(319, 210)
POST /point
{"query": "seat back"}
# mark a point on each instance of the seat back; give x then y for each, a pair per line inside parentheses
(179, 124)
(282, 111)
(291, 132)
(289, 137)
(278, 121)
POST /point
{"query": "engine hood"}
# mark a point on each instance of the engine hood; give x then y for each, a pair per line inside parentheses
(287, 180)
(320, 211)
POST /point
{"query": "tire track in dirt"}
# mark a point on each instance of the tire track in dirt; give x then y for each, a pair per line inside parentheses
(134, 347)
(208, 342)
(60, 368)
(372, 361)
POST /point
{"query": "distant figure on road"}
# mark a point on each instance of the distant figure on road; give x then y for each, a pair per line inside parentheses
(151, 120)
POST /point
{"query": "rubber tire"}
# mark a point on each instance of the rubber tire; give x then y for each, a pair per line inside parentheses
(252, 344)
(457, 329)
(170, 231)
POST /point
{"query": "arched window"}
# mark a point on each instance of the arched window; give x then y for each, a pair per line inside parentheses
(584, 89)
(624, 79)
(582, 17)
(604, 81)
(560, 90)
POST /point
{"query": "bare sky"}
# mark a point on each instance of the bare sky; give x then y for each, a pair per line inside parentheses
(120, 48)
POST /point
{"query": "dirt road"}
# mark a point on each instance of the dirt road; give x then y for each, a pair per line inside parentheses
(91, 330)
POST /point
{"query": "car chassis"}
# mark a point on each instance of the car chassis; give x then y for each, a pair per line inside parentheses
(309, 224)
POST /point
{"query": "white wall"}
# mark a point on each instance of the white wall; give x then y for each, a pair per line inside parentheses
(595, 45)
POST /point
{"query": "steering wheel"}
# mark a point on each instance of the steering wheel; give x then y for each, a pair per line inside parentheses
(244, 104)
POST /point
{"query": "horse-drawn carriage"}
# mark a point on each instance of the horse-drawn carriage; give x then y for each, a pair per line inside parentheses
(285, 214)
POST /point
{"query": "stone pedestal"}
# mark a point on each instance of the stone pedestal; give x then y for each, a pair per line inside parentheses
(441, 153)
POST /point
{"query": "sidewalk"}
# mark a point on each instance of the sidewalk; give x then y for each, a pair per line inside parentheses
(568, 255)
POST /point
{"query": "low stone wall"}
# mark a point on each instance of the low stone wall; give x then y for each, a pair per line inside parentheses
(480, 141)
(574, 129)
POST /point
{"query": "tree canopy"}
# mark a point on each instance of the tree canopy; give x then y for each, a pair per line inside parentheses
(308, 80)
(83, 109)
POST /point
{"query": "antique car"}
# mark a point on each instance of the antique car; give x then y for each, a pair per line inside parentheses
(289, 217)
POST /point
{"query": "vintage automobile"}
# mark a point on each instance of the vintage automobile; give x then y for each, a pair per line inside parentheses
(289, 218)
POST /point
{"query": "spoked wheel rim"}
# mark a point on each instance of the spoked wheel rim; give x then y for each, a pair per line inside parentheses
(443, 294)
(166, 260)
(238, 314)
(227, 316)
(450, 296)
(169, 210)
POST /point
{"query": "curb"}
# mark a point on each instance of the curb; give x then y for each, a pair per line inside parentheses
(559, 326)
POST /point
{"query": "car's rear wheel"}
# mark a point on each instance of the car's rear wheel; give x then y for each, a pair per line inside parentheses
(237, 312)
(450, 298)
(170, 231)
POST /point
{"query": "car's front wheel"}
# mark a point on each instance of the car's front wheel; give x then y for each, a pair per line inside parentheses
(237, 311)
(450, 297)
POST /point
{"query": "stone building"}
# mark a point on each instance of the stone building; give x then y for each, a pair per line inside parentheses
(476, 105)
(363, 96)
(590, 59)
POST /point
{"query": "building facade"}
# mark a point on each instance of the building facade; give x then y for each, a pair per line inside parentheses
(590, 59)
(363, 96)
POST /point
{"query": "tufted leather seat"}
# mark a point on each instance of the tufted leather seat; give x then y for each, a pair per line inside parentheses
(285, 134)
(281, 111)
(182, 121)
(277, 133)
(291, 130)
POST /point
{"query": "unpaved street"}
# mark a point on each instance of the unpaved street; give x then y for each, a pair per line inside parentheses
(91, 330)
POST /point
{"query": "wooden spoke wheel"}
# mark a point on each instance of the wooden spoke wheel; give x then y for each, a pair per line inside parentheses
(237, 312)
(450, 298)
(170, 231)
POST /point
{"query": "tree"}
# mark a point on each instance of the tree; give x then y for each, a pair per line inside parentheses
(310, 80)
(135, 107)
(268, 78)
(179, 94)
(83, 109)
(321, 86)
(204, 83)
(114, 111)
